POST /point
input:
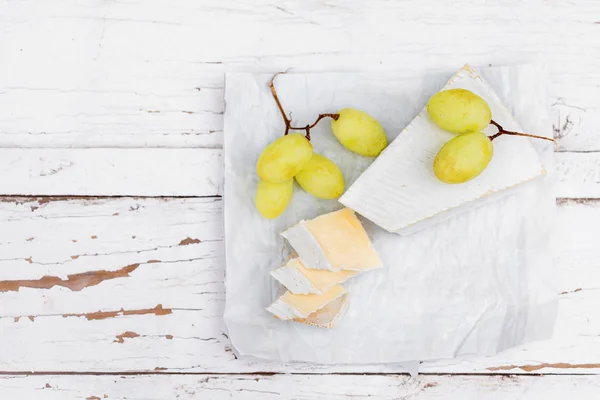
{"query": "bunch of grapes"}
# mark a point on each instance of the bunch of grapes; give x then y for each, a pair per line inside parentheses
(291, 157)
(468, 154)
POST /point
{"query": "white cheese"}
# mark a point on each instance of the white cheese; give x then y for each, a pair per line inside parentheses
(307, 246)
(300, 280)
(399, 191)
(300, 306)
(333, 242)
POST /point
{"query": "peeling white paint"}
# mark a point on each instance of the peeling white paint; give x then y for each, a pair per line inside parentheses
(119, 76)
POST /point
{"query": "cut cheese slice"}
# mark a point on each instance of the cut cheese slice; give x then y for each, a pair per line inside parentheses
(328, 316)
(300, 280)
(399, 191)
(333, 242)
(300, 306)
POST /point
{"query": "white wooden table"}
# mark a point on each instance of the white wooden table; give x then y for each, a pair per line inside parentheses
(111, 238)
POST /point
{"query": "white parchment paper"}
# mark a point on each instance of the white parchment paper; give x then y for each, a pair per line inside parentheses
(479, 283)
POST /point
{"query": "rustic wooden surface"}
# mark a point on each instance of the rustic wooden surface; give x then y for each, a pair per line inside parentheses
(305, 387)
(111, 247)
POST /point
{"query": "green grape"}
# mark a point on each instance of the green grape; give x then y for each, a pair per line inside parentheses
(273, 198)
(459, 111)
(284, 158)
(359, 132)
(463, 158)
(321, 178)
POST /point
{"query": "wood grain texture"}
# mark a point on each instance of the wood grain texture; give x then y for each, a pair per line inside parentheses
(185, 172)
(131, 284)
(111, 172)
(295, 387)
(157, 302)
(150, 73)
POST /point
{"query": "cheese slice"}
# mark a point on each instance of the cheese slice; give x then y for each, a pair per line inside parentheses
(333, 242)
(300, 280)
(399, 191)
(328, 316)
(300, 306)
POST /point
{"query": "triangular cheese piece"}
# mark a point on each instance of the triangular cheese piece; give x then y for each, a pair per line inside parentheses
(333, 242)
(300, 306)
(300, 280)
(399, 191)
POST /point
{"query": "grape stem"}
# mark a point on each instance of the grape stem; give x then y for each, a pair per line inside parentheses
(288, 121)
(502, 131)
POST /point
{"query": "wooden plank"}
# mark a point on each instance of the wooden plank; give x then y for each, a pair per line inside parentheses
(129, 284)
(112, 78)
(578, 175)
(111, 172)
(306, 387)
(185, 172)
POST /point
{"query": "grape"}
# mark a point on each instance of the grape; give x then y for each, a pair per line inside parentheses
(459, 111)
(273, 198)
(359, 132)
(284, 158)
(463, 157)
(321, 178)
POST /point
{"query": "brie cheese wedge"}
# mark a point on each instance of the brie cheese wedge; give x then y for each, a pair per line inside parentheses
(301, 306)
(328, 316)
(399, 191)
(333, 242)
(300, 280)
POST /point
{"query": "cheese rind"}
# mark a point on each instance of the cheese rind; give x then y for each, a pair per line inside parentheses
(399, 191)
(294, 306)
(334, 241)
(300, 280)
(307, 246)
(328, 316)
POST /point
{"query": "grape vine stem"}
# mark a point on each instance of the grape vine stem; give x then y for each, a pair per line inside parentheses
(502, 131)
(288, 121)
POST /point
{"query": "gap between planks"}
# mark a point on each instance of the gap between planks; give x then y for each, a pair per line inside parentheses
(266, 373)
(43, 199)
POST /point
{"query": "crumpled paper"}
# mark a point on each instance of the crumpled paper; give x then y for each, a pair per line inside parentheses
(476, 284)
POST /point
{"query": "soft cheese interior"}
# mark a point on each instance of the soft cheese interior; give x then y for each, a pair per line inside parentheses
(327, 316)
(335, 241)
(292, 306)
(399, 191)
(301, 280)
(331, 249)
